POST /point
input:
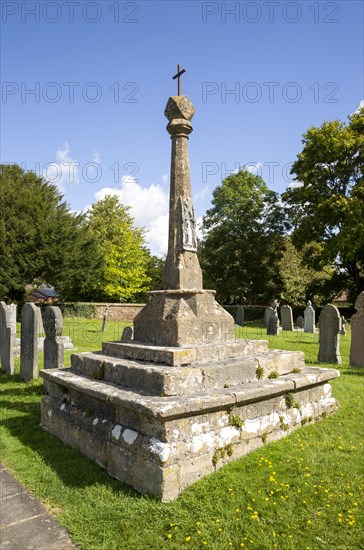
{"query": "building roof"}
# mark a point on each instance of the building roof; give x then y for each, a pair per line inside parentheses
(42, 293)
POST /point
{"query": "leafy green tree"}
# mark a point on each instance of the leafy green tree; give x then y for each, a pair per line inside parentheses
(41, 241)
(300, 282)
(327, 205)
(124, 276)
(243, 240)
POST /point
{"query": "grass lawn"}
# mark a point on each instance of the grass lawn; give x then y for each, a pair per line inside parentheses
(303, 492)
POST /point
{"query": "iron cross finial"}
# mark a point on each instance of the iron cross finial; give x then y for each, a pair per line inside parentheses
(178, 75)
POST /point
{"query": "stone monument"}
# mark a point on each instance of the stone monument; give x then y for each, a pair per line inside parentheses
(156, 411)
(287, 318)
(357, 334)
(29, 342)
(53, 343)
(183, 313)
(7, 336)
(273, 320)
(309, 316)
(300, 321)
(240, 316)
(267, 313)
(329, 339)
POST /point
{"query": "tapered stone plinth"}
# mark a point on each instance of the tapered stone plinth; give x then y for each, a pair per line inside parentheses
(183, 317)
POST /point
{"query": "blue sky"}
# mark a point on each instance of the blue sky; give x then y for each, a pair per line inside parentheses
(101, 74)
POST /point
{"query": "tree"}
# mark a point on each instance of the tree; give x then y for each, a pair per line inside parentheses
(326, 206)
(124, 275)
(300, 282)
(41, 241)
(243, 240)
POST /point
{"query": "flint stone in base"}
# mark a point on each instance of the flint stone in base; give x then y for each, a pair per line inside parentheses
(161, 445)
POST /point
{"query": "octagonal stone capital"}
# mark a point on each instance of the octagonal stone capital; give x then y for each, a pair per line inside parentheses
(179, 107)
(179, 127)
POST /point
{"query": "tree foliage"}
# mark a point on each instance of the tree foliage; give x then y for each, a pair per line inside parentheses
(327, 204)
(124, 275)
(41, 241)
(301, 282)
(243, 240)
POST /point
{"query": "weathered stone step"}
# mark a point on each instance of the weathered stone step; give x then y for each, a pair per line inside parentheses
(185, 380)
(184, 355)
(63, 382)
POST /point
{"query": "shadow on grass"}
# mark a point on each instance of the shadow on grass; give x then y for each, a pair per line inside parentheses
(358, 371)
(71, 467)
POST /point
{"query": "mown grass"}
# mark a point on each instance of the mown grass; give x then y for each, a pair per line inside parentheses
(303, 492)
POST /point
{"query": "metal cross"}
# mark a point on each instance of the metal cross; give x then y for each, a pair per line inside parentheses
(178, 75)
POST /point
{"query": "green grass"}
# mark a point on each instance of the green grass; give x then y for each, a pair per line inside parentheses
(303, 492)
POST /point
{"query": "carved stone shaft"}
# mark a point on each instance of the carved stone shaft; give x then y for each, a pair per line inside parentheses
(182, 269)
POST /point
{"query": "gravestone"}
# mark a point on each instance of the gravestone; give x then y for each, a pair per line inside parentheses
(286, 318)
(40, 321)
(53, 343)
(127, 335)
(300, 321)
(329, 339)
(267, 314)
(309, 318)
(29, 342)
(273, 320)
(343, 328)
(7, 336)
(357, 333)
(240, 316)
(154, 411)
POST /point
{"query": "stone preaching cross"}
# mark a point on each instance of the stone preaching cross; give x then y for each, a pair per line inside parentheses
(160, 401)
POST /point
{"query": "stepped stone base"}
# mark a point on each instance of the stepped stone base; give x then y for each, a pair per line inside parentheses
(160, 427)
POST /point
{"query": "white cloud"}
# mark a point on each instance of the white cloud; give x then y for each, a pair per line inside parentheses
(199, 227)
(165, 178)
(200, 194)
(295, 184)
(254, 168)
(65, 170)
(360, 106)
(148, 207)
(97, 157)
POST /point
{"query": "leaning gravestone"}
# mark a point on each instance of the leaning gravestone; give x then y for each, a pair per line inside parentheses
(240, 316)
(329, 339)
(7, 336)
(309, 318)
(357, 334)
(29, 342)
(287, 318)
(53, 343)
(300, 321)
